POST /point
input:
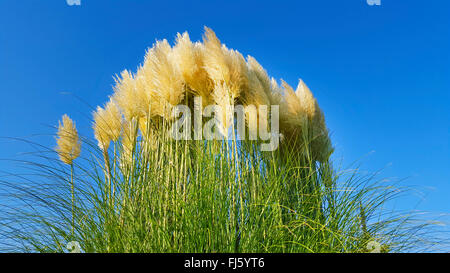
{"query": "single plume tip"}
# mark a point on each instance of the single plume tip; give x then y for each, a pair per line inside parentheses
(107, 124)
(68, 143)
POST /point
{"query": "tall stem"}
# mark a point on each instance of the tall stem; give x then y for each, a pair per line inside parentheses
(114, 175)
(73, 199)
(108, 174)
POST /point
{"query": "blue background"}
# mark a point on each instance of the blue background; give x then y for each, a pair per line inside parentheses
(380, 73)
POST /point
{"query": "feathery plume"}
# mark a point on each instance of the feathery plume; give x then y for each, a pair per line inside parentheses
(69, 146)
(189, 58)
(239, 72)
(292, 111)
(307, 101)
(224, 66)
(107, 124)
(321, 143)
(255, 94)
(166, 78)
(276, 92)
(301, 117)
(257, 70)
(145, 91)
(131, 102)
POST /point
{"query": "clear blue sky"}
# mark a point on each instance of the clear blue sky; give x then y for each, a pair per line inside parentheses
(380, 73)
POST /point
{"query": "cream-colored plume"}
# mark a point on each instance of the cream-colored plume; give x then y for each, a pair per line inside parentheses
(107, 124)
(321, 144)
(292, 111)
(257, 70)
(132, 101)
(166, 78)
(225, 67)
(68, 144)
(307, 101)
(190, 60)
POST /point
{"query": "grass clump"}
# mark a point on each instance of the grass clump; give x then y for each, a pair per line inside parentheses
(139, 189)
(206, 197)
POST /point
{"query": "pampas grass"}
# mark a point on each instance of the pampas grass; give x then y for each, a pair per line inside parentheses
(107, 124)
(204, 197)
(139, 190)
(68, 149)
(171, 76)
(68, 144)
